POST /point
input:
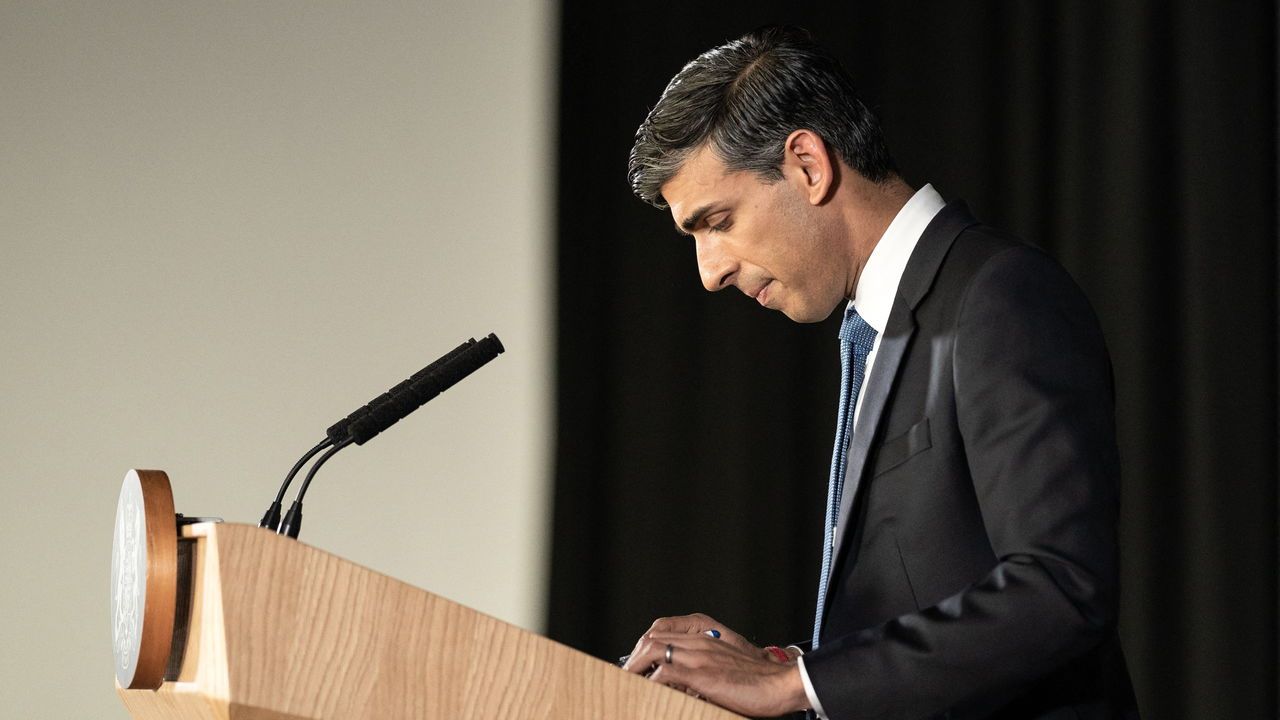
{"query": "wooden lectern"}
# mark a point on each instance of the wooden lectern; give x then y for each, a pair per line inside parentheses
(268, 628)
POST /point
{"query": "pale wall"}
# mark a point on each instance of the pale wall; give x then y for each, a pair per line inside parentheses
(223, 226)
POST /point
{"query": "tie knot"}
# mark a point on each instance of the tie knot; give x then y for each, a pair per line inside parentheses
(857, 331)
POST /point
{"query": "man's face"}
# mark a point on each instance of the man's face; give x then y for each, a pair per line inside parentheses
(766, 239)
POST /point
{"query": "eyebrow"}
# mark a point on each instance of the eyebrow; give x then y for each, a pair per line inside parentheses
(687, 225)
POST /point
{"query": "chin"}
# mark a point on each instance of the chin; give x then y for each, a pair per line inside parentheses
(804, 315)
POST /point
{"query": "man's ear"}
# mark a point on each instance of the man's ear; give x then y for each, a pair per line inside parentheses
(807, 162)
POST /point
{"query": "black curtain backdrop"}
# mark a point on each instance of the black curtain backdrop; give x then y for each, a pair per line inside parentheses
(1136, 141)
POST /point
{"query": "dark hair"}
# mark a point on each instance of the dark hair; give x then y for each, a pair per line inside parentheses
(744, 98)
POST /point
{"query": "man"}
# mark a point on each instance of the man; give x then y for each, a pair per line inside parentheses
(970, 563)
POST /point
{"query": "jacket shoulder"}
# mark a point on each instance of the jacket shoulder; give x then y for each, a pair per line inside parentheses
(985, 257)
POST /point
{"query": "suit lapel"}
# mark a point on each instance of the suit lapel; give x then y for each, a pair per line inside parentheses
(916, 280)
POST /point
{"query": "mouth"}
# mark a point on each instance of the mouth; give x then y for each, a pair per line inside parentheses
(762, 295)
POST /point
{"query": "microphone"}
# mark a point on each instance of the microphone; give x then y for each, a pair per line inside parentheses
(384, 411)
(417, 392)
(341, 429)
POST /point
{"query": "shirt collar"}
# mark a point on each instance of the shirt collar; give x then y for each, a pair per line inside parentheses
(878, 284)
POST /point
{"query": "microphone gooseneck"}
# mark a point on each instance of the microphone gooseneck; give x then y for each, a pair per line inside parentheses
(271, 520)
(292, 523)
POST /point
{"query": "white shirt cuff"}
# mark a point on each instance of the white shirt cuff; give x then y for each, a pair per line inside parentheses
(808, 690)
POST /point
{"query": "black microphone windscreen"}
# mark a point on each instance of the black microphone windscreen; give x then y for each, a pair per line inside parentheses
(390, 408)
(342, 429)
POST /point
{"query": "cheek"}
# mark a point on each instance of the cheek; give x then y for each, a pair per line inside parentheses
(805, 267)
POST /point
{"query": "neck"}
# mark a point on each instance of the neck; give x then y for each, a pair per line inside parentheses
(867, 209)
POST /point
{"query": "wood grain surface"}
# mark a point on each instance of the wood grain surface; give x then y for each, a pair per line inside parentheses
(282, 631)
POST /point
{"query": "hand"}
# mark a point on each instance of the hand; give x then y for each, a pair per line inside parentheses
(729, 671)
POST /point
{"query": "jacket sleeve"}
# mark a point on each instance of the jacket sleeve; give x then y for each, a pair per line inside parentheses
(1035, 408)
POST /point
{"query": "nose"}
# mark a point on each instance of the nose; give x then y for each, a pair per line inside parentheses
(715, 267)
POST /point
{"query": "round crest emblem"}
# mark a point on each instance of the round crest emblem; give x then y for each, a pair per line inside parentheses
(144, 568)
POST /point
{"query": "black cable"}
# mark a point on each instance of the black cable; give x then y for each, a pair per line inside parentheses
(292, 523)
(271, 520)
(298, 466)
(307, 482)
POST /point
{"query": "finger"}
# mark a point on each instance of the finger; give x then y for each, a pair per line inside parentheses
(698, 624)
(705, 644)
(674, 676)
(697, 643)
(635, 652)
(682, 624)
(648, 653)
(689, 680)
(638, 662)
(688, 624)
(654, 651)
(700, 643)
(640, 644)
(699, 639)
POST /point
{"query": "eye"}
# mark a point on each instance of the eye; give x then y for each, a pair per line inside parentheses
(721, 226)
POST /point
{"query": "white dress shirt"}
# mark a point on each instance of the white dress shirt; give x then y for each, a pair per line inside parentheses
(873, 298)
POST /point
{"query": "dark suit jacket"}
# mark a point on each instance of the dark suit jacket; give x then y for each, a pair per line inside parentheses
(976, 563)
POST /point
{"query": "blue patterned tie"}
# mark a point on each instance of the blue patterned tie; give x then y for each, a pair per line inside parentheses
(856, 340)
